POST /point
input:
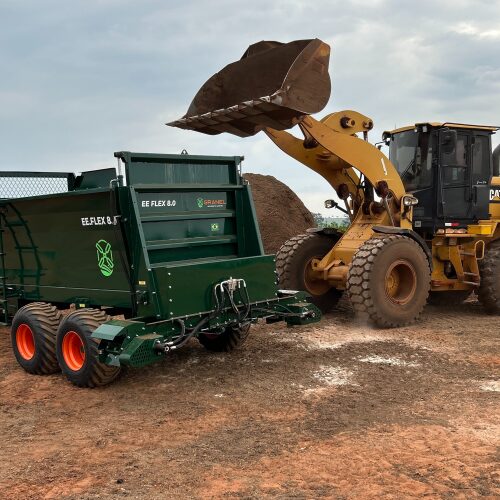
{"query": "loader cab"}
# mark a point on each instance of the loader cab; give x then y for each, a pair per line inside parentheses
(448, 168)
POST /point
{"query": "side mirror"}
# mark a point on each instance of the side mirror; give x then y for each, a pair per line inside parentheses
(448, 141)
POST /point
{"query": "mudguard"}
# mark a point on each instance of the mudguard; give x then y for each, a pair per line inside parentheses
(410, 234)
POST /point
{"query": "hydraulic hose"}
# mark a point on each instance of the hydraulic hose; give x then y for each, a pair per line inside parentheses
(183, 339)
(193, 332)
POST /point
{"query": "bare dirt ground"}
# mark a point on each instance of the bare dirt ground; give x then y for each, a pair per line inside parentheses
(339, 410)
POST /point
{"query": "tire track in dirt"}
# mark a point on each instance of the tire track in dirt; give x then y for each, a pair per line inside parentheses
(413, 417)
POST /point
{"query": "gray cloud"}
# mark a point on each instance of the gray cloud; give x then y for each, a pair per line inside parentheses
(83, 79)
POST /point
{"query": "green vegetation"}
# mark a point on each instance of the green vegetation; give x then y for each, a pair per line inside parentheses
(339, 223)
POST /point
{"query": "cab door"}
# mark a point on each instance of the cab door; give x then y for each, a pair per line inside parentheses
(455, 181)
(482, 170)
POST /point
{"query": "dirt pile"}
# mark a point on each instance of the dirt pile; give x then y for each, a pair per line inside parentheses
(280, 212)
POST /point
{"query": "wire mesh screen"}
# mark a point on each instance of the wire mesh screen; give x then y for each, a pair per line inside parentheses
(25, 184)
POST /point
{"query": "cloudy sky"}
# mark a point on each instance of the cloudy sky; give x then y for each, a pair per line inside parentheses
(82, 79)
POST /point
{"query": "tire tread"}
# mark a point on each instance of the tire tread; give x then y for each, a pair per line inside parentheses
(286, 267)
(489, 288)
(100, 373)
(47, 317)
(358, 281)
(228, 341)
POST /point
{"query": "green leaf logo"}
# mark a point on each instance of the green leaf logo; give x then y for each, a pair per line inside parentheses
(215, 227)
(105, 258)
(200, 202)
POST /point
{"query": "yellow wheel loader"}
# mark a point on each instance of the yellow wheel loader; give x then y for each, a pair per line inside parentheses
(424, 222)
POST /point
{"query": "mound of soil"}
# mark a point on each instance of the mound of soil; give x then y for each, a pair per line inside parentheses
(280, 212)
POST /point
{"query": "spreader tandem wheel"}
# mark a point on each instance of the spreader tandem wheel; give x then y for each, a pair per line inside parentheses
(293, 264)
(231, 338)
(389, 280)
(33, 337)
(77, 351)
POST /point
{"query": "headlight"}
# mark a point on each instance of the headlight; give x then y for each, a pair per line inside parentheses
(409, 200)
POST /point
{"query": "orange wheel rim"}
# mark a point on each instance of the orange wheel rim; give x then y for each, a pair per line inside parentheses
(401, 282)
(73, 351)
(25, 341)
(312, 284)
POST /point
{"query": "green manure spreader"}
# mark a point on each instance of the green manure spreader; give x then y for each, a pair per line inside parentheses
(142, 262)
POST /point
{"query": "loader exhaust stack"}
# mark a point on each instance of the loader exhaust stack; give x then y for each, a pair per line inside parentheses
(273, 85)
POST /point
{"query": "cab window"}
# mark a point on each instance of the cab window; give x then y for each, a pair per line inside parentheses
(411, 154)
(455, 163)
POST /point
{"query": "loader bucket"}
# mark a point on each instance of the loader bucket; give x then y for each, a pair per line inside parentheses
(272, 85)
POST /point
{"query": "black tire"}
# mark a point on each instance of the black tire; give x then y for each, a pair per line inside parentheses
(230, 339)
(292, 262)
(77, 352)
(388, 281)
(33, 337)
(489, 289)
(448, 298)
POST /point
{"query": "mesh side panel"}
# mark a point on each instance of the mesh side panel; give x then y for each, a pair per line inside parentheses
(16, 186)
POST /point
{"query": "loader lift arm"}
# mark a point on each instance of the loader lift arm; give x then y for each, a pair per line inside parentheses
(336, 154)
